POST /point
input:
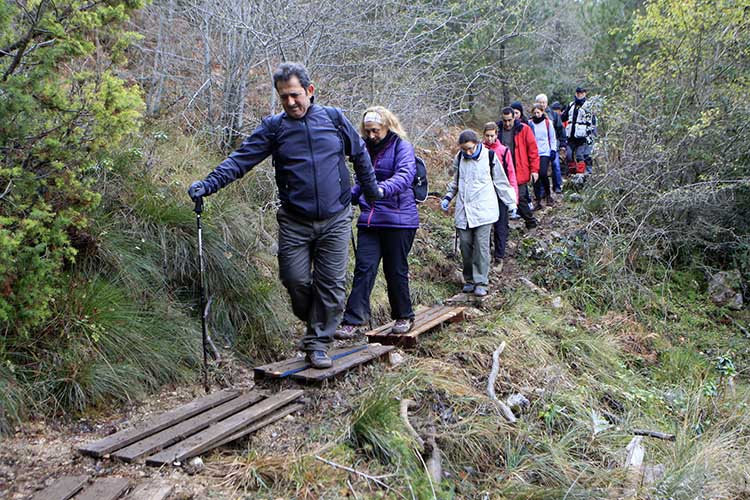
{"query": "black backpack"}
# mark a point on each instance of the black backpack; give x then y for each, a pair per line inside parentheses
(491, 155)
(419, 185)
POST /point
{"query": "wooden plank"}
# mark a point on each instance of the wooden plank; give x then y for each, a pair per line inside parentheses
(282, 369)
(186, 428)
(420, 314)
(106, 488)
(62, 489)
(152, 426)
(205, 439)
(409, 339)
(259, 424)
(155, 490)
(316, 375)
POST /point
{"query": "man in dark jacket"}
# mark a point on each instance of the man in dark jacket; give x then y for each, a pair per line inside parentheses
(308, 144)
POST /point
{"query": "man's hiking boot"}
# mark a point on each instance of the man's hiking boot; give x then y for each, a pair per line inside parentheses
(558, 191)
(346, 332)
(468, 288)
(537, 206)
(402, 326)
(497, 264)
(550, 201)
(531, 224)
(480, 291)
(319, 359)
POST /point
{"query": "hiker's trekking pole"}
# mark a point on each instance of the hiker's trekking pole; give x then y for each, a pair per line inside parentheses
(198, 210)
(354, 242)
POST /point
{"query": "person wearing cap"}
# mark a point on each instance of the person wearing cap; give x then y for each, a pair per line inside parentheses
(478, 181)
(580, 131)
(309, 144)
(385, 228)
(560, 135)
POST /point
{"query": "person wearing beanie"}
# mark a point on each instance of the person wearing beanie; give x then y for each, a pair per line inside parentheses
(478, 181)
(580, 130)
(518, 114)
(501, 226)
(546, 142)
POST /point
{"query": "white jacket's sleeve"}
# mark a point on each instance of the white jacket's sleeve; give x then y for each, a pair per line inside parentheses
(504, 190)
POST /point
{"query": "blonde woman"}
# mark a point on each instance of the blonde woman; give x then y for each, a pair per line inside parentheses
(385, 228)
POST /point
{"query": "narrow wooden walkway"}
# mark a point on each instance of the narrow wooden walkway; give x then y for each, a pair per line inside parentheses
(196, 427)
(344, 359)
(425, 320)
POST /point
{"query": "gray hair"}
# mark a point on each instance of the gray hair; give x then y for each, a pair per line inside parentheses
(541, 97)
(287, 70)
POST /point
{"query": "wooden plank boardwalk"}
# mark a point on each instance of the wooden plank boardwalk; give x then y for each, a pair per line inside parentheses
(195, 428)
(299, 369)
(425, 320)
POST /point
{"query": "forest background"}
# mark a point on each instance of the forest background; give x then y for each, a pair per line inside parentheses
(108, 109)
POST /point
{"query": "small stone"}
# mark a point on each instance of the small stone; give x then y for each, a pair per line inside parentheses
(557, 302)
(395, 359)
(195, 466)
(517, 402)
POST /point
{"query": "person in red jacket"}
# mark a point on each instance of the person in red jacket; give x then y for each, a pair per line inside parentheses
(501, 226)
(520, 140)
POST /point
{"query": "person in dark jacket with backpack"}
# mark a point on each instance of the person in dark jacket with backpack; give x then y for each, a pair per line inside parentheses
(385, 228)
(308, 143)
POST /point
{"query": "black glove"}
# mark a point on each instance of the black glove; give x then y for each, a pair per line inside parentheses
(380, 195)
(197, 190)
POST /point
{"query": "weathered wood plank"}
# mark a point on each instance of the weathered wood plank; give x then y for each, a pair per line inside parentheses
(421, 312)
(156, 490)
(281, 369)
(221, 430)
(106, 488)
(130, 435)
(259, 424)
(62, 489)
(186, 428)
(409, 339)
(316, 375)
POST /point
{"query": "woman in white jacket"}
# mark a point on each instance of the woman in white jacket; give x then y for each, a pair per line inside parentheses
(478, 182)
(546, 142)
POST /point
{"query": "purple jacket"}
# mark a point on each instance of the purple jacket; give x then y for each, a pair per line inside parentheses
(395, 170)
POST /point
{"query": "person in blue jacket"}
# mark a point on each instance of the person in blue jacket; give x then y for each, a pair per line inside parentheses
(308, 144)
(385, 228)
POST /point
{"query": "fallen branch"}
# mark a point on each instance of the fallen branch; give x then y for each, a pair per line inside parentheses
(434, 463)
(504, 409)
(374, 479)
(404, 411)
(654, 434)
(533, 287)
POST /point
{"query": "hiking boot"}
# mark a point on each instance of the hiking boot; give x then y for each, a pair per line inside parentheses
(498, 263)
(537, 206)
(480, 291)
(514, 215)
(468, 288)
(558, 191)
(531, 224)
(402, 326)
(318, 359)
(550, 201)
(346, 332)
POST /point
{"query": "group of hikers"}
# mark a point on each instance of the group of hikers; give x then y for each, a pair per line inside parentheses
(309, 144)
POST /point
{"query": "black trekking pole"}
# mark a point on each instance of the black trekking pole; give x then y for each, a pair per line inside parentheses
(198, 210)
